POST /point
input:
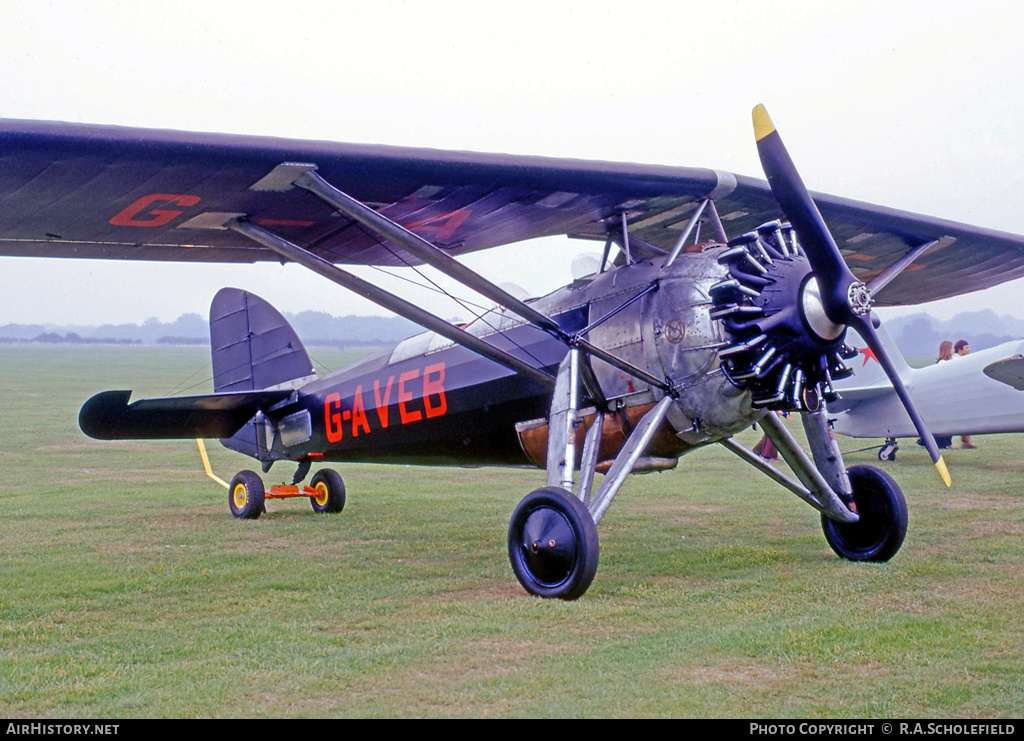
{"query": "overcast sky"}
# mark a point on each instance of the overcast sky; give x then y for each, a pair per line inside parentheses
(915, 105)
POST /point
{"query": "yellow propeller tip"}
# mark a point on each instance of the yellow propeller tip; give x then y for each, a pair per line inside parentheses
(763, 125)
(943, 472)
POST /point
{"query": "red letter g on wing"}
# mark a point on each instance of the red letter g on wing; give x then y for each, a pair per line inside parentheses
(138, 215)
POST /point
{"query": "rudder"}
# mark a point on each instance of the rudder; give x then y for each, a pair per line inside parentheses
(253, 345)
(254, 348)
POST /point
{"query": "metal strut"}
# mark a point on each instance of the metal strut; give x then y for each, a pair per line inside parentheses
(561, 456)
(305, 176)
(690, 225)
(389, 301)
(562, 422)
(626, 460)
(287, 175)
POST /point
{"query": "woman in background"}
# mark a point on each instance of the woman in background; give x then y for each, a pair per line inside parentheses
(945, 353)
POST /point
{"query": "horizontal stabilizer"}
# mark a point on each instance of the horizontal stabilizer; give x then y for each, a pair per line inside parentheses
(109, 416)
(1008, 370)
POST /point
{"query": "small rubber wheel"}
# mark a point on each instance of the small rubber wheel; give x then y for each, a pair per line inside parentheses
(888, 452)
(330, 491)
(879, 533)
(553, 544)
(246, 495)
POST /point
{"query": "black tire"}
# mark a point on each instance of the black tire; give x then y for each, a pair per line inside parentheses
(887, 453)
(879, 533)
(330, 491)
(553, 544)
(246, 495)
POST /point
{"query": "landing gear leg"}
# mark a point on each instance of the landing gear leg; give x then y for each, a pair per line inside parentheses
(867, 491)
(865, 519)
(552, 537)
(301, 472)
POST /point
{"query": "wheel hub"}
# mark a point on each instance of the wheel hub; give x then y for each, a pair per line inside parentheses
(549, 546)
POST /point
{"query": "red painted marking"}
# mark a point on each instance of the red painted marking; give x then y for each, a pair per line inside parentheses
(432, 393)
(332, 419)
(140, 213)
(359, 414)
(868, 354)
(405, 396)
(434, 387)
(382, 404)
(445, 225)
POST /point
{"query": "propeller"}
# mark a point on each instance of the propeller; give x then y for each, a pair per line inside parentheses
(844, 299)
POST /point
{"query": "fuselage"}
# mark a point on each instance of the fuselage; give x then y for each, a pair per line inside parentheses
(429, 400)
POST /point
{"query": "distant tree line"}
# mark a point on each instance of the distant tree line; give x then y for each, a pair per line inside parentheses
(71, 338)
(916, 335)
(316, 328)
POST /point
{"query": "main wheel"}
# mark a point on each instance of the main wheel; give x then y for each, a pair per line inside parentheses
(879, 533)
(552, 544)
(330, 491)
(245, 495)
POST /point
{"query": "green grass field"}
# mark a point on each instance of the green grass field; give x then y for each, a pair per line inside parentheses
(129, 591)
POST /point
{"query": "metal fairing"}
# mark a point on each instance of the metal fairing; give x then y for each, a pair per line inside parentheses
(684, 340)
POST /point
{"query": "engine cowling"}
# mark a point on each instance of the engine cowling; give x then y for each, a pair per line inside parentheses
(668, 332)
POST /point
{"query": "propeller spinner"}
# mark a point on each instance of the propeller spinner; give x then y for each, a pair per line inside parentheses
(844, 299)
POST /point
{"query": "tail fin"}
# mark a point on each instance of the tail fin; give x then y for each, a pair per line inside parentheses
(253, 346)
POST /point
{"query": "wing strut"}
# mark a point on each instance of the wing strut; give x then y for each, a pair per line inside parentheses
(883, 279)
(389, 301)
(686, 233)
(307, 179)
(290, 175)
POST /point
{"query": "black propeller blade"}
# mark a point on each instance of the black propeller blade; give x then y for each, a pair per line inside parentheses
(845, 299)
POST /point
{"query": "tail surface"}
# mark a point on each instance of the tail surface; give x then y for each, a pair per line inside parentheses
(254, 349)
(869, 378)
(253, 346)
(257, 360)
